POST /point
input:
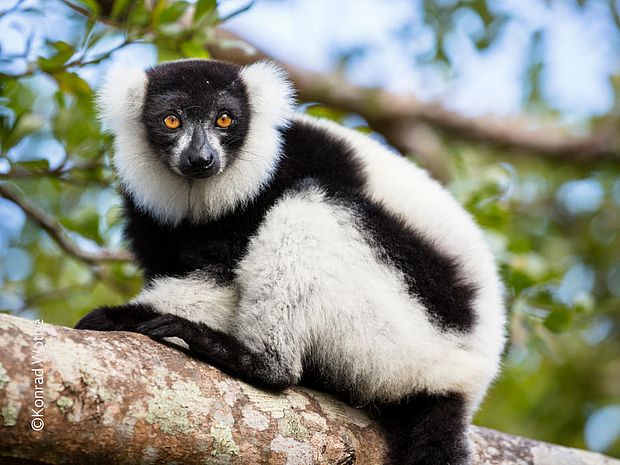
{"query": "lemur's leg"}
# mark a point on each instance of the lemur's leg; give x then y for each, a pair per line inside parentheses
(263, 368)
(426, 429)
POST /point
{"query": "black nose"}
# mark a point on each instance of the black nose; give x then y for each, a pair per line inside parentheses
(201, 160)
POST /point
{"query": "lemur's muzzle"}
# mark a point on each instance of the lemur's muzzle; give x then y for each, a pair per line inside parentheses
(199, 160)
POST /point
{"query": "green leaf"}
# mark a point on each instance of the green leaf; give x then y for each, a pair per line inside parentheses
(156, 12)
(23, 126)
(168, 54)
(75, 126)
(322, 111)
(543, 298)
(194, 49)
(62, 52)
(120, 8)
(33, 165)
(91, 5)
(519, 281)
(203, 8)
(139, 15)
(86, 223)
(559, 320)
(173, 12)
(71, 83)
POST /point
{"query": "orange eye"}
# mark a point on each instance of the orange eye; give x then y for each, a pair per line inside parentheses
(224, 121)
(172, 122)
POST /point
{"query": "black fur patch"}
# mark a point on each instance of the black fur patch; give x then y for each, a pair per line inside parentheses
(425, 429)
(126, 317)
(431, 276)
(309, 153)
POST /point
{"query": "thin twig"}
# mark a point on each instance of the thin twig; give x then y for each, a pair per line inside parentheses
(49, 224)
(85, 12)
(63, 172)
(12, 9)
(237, 12)
(77, 63)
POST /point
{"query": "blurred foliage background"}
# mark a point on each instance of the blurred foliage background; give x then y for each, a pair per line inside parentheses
(553, 217)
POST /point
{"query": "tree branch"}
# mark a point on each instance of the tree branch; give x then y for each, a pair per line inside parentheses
(113, 398)
(62, 174)
(49, 224)
(392, 114)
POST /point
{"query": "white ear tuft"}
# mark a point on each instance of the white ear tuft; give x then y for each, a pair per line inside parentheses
(271, 94)
(121, 97)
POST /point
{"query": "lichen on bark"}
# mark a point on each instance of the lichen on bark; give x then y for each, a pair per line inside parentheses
(114, 398)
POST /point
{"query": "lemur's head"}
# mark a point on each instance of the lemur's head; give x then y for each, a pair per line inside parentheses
(196, 115)
(195, 138)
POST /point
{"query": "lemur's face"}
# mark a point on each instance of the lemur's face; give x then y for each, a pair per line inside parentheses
(195, 138)
(196, 115)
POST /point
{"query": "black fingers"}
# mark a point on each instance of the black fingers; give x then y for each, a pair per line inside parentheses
(125, 317)
(223, 350)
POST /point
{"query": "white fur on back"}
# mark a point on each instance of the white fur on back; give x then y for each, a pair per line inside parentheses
(170, 197)
(311, 286)
(408, 192)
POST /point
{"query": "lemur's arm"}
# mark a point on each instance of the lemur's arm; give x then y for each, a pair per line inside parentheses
(262, 368)
(196, 298)
(201, 313)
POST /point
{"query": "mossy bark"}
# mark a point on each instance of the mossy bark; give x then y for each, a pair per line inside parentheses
(116, 398)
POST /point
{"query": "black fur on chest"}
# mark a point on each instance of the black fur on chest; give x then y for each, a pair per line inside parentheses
(165, 250)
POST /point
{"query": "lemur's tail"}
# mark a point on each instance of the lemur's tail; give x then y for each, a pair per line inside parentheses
(426, 429)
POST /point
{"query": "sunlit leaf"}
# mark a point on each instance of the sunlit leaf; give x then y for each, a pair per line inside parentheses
(62, 52)
(85, 223)
(173, 12)
(91, 5)
(71, 83)
(194, 49)
(203, 8)
(33, 165)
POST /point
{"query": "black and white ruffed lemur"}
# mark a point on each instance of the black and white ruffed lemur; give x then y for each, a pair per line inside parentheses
(286, 249)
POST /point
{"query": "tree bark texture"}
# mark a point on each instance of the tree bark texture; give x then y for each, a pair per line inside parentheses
(82, 397)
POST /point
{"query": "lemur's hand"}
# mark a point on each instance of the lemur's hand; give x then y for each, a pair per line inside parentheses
(125, 317)
(162, 326)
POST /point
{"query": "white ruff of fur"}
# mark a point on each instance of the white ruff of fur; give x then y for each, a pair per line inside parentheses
(171, 198)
